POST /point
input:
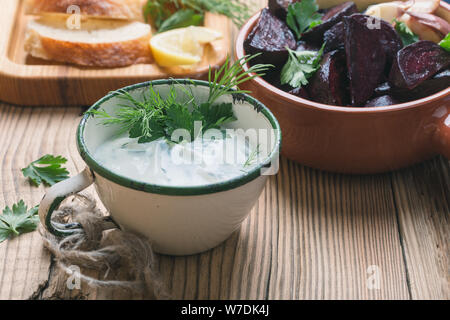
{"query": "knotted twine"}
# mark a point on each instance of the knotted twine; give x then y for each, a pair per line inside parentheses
(98, 247)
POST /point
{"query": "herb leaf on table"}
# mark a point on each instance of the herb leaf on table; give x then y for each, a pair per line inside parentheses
(302, 16)
(155, 117)
(301, 66)
(408, 37)
(47, 170)
(18, 220)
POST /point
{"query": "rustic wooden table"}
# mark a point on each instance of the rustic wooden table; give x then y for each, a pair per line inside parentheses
(312, 235)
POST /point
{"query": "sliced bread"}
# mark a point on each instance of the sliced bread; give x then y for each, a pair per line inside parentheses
(114, 9)
(98, 43)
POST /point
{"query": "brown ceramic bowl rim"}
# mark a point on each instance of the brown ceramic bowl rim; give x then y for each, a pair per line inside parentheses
(297, 101)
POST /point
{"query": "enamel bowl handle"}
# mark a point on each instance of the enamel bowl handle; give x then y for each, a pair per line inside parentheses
(56, 195)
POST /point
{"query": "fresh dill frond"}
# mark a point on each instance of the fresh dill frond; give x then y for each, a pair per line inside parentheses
(154, 117)
(252, 157)
(230, 75)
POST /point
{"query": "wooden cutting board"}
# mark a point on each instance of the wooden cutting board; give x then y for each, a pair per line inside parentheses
(25, 80)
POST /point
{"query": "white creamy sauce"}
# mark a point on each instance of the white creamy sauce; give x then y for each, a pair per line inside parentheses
(196, 163)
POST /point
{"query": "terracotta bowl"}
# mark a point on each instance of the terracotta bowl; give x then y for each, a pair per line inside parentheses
(354, 140)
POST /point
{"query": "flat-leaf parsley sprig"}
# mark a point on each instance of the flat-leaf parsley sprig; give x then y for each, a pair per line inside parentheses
(47, 170)
(301, 66)
(303, 16)
(155, 117)
(17, 220)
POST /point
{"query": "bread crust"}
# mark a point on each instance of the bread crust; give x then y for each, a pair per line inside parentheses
(115, 9)
(106, 55)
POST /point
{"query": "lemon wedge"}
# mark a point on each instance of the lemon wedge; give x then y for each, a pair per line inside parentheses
(181, 46)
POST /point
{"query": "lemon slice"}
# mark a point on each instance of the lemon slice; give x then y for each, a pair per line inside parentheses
(181, 46)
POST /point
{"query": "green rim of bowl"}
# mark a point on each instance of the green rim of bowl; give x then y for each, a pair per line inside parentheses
(172, 190)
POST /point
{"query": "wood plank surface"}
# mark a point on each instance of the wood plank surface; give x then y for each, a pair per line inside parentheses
(312, 235)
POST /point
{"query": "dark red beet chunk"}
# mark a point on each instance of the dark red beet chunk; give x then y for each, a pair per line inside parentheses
(304, 46)
(427, 88)
(366, 58)
(329, 83)
(416, 63)
(271, 36)
(381, 101)
(274, 79)
(334, 37)
(279, 7)
(332, 17)
(390, 41)
(383, 89)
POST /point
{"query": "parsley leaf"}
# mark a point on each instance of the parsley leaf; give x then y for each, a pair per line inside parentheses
(445, 43)
(301, 66)
(302, 16)
(408, 37)
(180, 117)
(46, 170)
(18, 220)
(216, 116)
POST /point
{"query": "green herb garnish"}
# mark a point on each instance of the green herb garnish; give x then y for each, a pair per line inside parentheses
(445, 43)
(252, 157)
(181, 19)
(18, 220)
(302, 16)
(301, 66)
(46, 170)
(161, 12)
(408, 37)
(155, 117)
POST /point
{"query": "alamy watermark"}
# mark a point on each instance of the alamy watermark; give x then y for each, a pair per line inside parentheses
(74, 279)
(73, 22)
(373, 281)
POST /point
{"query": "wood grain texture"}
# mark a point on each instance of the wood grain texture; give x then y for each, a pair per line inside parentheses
(47, 83)
(423, 207)
(311, 235)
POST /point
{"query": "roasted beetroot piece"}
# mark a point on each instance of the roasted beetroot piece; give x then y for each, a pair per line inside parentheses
(382, 101)
(279, 7)
(431, 86)
(274, 79)
(300, 92)
(329, 83)
(271, 36)
(383, 89)
(304, 46)
(366, 58)
(416, 63)
(390, 41)
(427, 88)
(330, 18)
(334, 38)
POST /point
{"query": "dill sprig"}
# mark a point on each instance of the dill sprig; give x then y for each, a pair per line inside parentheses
(252, 157)
(154, 117)
(231, 75)
(161, 10)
